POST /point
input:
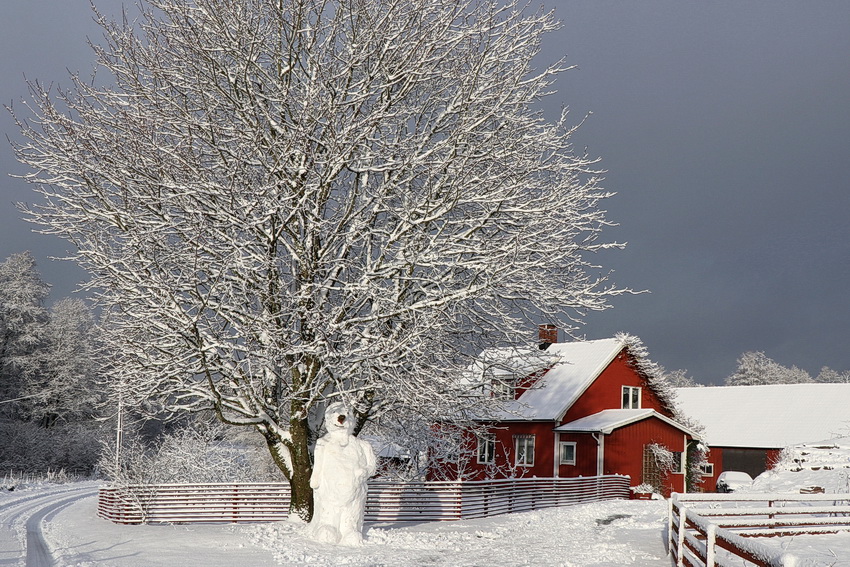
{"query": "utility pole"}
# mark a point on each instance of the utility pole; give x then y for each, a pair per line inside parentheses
(119, 430)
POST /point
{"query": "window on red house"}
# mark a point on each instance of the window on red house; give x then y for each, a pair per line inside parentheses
(504, 387)
(487, 449)
(568, 453)
(631, 397)
(524, 445)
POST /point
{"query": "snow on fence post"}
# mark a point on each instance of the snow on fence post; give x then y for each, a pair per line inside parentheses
(710, 540)
(669, 538)
(683, 520)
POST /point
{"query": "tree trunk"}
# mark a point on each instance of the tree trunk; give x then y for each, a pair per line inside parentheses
(301, 469)
(301, 497)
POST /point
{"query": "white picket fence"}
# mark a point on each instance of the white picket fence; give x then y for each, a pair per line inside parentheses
(386, 501)
(700, 525)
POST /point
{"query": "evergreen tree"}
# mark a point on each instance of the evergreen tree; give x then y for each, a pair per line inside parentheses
(22, 321)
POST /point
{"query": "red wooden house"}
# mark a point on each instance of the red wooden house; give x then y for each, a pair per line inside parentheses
(580, 408)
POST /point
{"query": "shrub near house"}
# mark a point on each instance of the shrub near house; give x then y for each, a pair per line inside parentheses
(581, 408)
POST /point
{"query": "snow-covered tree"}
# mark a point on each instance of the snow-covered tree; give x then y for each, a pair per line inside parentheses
(828, 375)
(681, 379)
(283, 202)
(756, 368)
(22, 320)
(46, 372)
(66, 386)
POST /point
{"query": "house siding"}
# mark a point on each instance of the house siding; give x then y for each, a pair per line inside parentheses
(624, 450)
(505, 455)
(606, 391)
(586, 447)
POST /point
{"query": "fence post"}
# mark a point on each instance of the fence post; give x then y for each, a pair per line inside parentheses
(710, 539)
(669, 539)
(683, 519)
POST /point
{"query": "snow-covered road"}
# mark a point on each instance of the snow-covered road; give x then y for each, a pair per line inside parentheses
(23, 516)
(610, 534)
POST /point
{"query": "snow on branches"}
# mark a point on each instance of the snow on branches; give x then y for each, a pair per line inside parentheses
(656, 377)
(282, 203)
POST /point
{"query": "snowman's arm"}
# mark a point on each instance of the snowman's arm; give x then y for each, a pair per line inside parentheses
(318, 464)
(371, 461)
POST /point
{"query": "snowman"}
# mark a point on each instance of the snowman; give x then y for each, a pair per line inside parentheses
(343, 464)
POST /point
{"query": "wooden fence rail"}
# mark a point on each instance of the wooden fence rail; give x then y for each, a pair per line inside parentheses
(700, 524)
(386, 500)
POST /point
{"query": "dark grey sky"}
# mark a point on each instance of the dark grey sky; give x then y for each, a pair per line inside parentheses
(723, 127)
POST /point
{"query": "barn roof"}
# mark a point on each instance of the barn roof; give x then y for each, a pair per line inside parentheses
(574, 367)
(608, 420)
(771, 417)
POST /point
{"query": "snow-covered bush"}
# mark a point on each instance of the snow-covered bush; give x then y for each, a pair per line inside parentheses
(194, 453)
(27, 446)
(662, 456)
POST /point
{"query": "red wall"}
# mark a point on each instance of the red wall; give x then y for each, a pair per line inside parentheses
(606, 391)
(585, 456)
(624, 450)
(715, 457)
(544, 448)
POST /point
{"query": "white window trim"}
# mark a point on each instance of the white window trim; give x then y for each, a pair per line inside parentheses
(561, 453)
(487, 441)
(525, 438)
(631, 389)
(707, 469)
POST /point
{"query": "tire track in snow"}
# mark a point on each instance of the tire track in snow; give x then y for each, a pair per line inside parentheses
(21, 520)
(38, 552)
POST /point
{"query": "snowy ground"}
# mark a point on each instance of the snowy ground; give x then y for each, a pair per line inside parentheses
(823, 464)
(613, 533)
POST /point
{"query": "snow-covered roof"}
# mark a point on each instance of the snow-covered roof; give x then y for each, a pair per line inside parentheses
(509, 361)
(608, 420)
(574, 367)
(773, 416)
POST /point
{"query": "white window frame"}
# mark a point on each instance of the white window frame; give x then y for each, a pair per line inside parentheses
(706, 469)
(504, 388)
(488, 444)
(627, 397)
(561, 459)
(527, 442)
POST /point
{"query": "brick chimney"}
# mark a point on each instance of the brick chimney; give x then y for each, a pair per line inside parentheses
(547, 334)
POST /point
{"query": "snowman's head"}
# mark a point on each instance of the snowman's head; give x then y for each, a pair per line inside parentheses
(338, 419)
